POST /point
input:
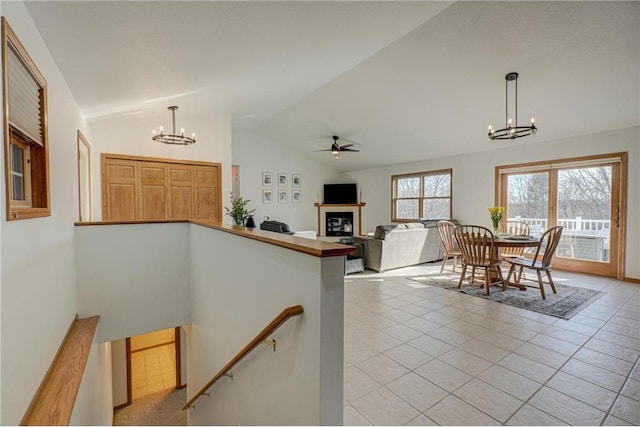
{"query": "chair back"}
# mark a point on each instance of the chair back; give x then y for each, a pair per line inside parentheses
(445, 230)
(515, 228)
(548, 244)
(476, 245)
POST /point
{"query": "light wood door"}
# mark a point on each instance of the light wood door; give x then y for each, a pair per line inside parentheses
(153, 190)
(181, 191)
(207, 194)
(144, 188)
(120, 190)
(84, 178)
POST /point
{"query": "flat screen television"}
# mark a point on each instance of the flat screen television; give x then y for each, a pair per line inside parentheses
(340, 194)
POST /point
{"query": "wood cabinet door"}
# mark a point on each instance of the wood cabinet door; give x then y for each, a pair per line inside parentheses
(143, 188)
(153, 190)
(120, 195)
(181, 191)
(207, 193)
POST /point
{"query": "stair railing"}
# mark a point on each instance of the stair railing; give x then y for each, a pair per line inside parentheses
(261, 338)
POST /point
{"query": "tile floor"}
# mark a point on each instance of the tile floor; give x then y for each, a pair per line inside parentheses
(153, 370)
(417, 355)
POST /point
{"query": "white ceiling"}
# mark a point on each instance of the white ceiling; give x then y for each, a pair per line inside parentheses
(405, 80)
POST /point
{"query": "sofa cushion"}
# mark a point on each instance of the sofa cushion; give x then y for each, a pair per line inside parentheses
(434, 222)
(382, 229)
(411, 225)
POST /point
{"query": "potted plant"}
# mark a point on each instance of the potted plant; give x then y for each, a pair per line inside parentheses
(239, 212)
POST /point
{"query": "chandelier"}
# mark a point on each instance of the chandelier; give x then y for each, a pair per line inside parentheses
(511, 129)
(173, 138)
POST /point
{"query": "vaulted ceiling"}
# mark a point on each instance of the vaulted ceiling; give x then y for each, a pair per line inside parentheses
(403, 80)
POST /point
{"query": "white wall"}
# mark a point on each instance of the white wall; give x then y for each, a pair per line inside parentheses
(119, 371)
(38, 281)
(1, 207)
(136, 277)
(94, 403)
(473, 180)
(238, 287)
(254, 155)
(132, 135)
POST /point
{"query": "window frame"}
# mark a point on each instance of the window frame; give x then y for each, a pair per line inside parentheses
(37, 179)
(421, 197)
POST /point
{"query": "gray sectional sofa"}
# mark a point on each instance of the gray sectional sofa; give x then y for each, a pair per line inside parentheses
(401, 245)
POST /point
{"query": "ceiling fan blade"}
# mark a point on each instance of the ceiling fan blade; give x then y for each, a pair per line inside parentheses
(323, 150)
(351, 149)
(346, 146)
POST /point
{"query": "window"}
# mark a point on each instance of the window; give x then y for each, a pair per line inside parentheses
(18, 171)
(424, 195)
(25, 132)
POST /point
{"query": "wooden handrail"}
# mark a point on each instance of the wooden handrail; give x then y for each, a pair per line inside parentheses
(288, 312)
(53, 402)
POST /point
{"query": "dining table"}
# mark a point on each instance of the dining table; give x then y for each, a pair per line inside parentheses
(515, 241)
(519, 241)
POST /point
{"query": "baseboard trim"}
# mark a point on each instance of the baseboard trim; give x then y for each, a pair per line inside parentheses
(122, 405)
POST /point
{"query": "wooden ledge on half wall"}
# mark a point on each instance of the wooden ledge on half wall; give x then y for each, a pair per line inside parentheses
(317, 248)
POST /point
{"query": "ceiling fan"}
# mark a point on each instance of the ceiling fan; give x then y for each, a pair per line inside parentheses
(336, 148)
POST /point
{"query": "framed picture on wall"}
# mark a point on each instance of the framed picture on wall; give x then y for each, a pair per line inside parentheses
(296, 180)
(267, 196)
(267, 179)
(283, 179)
(295, 196)
(283, 196)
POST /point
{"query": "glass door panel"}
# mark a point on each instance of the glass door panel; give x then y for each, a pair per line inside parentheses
(528, 200)
(584, 209)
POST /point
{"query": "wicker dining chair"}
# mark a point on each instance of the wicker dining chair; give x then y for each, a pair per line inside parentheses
(445, 230)
(478, 250)
(541, 260)
(514, 228)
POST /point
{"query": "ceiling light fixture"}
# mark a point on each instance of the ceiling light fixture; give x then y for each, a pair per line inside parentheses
(173, 138)
(511, 129)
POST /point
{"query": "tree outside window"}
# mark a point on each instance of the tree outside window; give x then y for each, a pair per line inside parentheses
(422, 195)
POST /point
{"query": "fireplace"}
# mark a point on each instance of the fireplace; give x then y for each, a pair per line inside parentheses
(339, 223)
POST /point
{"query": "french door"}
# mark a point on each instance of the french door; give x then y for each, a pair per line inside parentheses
(585, 196)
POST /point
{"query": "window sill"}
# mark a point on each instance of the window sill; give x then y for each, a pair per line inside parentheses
(26, 213)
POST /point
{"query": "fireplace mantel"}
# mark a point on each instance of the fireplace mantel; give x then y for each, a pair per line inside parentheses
(356, 208)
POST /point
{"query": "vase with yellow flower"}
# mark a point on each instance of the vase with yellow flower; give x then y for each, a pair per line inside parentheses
(496, 216)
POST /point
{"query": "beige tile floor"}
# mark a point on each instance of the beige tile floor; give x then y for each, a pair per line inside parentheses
(418, 355)
(153, 370)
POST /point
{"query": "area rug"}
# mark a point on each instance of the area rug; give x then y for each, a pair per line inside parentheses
(566, 303)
